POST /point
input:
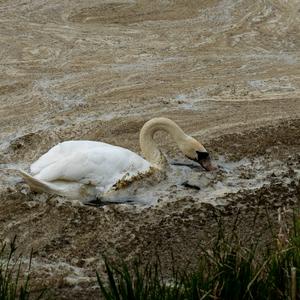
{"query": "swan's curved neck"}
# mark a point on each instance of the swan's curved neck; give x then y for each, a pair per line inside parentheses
(149, 147)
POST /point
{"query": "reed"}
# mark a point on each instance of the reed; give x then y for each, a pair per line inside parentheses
(12, 284)
(227, 271)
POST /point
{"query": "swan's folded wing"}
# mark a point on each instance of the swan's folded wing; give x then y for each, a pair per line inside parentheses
(62, 151)
(49, 158)
(70, 168)
(102, 166)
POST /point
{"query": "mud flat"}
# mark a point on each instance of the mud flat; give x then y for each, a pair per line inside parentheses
(226, 71)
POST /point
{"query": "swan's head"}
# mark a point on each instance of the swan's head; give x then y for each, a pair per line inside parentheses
(195, 151)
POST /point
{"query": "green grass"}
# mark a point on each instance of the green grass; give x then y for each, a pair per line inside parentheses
(228, 271)
(12, 284)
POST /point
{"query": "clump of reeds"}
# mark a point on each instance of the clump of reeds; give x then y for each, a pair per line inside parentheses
(227, 271)
(12, 284)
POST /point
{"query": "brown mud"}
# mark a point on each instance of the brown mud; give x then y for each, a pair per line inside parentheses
(226, 71)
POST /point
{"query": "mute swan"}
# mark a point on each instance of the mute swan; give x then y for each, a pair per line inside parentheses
(85, 170)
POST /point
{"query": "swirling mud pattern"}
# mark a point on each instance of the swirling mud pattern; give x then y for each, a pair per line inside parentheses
(226, 71)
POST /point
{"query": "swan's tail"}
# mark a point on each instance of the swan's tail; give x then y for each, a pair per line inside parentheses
(67, 189)
(38, 185)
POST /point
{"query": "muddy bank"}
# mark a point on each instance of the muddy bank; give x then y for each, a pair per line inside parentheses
(226, 71)
(69, 238)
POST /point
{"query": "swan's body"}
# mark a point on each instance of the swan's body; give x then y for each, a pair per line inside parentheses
(85, 169)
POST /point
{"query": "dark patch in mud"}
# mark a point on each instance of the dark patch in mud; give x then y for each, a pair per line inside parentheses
(126, 13)
(32, 145)
(191, 186)
(258, 141)
(12, 88)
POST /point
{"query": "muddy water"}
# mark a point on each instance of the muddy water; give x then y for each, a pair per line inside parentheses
(226, 71)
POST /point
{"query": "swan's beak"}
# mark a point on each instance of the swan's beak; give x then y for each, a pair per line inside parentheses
(205, 161)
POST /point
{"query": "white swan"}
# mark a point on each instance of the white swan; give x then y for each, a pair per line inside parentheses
(86, 169)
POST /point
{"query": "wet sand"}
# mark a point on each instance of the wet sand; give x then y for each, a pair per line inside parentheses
(226, 71)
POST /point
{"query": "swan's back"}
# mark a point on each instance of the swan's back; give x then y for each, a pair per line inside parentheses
(62, 151)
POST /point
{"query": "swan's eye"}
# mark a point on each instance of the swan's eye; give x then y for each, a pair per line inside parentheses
(202, 155)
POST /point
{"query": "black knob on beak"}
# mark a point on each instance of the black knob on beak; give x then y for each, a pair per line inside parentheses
(204, 160)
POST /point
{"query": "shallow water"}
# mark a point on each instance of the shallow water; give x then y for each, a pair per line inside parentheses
(185, 179)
